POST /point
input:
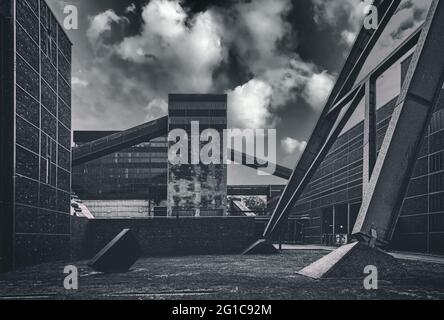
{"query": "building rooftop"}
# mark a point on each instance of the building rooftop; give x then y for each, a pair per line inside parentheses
(197, 98)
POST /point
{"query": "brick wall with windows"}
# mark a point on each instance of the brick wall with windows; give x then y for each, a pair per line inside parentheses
(335, 192)
(42, 131)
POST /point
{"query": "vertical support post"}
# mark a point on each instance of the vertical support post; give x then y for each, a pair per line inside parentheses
(369, 133)
(411, 117)
(334, 223)
(348, 222)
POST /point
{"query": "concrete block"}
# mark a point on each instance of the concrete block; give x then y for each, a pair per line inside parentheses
(349, 262)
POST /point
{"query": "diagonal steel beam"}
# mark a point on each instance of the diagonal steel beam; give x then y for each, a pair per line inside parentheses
(421, 89)
(119, 141)
(339, 126)
(357, 67)
(252, 162)
(383, 66)
(370, 148)
(365, 42)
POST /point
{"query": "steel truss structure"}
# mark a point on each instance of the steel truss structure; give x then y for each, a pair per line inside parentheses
(386, 175)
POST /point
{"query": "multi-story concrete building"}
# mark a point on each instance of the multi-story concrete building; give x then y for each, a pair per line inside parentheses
(128, 183)
(197, 189)
(35, 135)
(331, 202)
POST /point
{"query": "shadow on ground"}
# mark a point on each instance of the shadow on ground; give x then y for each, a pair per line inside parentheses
(218, 277)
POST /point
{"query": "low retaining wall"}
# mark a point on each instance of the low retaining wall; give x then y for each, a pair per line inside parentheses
(80, 238)
(169, 236)
(118, 208)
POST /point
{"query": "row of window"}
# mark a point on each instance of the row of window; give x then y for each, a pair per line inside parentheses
(204, 120)
(41, 169)
(421, 223)
(28, 80)
(28, 17)
(204, 106)
(197, 113)
(32, 193)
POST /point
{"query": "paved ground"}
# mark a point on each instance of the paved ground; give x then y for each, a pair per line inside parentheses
(219, 277)
(398, 255)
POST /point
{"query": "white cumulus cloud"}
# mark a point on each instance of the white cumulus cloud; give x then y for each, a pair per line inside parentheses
(131, 8)
(318, 88)
(100, 24)
(79, 82)
(348, 14)
(291, 145)
(156, 109)
(193, 49)
(249, 105)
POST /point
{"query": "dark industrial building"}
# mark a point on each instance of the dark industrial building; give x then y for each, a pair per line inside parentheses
(197, 189)
(131, 182)
(35, 135)
(128, 175)
(331, 202)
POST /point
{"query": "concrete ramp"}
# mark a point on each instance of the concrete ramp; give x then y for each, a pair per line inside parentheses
(349, 262)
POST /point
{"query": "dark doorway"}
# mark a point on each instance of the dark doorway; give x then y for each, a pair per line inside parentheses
(341, 219)
(327, 226)
(338, 222)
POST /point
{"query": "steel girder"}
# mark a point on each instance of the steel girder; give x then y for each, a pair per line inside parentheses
(383, 66)
(336, 131)
(317, 146)
(252, 162)
(119, 141)
(144, 133)
(411, 117)
(370, 149)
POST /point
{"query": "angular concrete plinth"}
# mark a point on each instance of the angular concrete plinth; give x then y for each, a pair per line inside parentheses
(349, 262)
(119, 255)
(261, 247)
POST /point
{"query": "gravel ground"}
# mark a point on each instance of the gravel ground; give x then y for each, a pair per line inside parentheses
(218, 277)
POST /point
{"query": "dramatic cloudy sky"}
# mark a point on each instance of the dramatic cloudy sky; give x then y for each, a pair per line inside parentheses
(277, 60)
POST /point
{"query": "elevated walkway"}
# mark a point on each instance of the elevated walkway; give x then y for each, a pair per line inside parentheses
(144, 133)
(119, 141)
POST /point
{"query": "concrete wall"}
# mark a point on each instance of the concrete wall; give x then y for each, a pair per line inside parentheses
(118, 208)
(80, 238)
(176, 237)
(35, 136)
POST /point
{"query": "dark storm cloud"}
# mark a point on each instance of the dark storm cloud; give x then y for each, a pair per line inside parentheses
(276, 59)
(269, 57)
